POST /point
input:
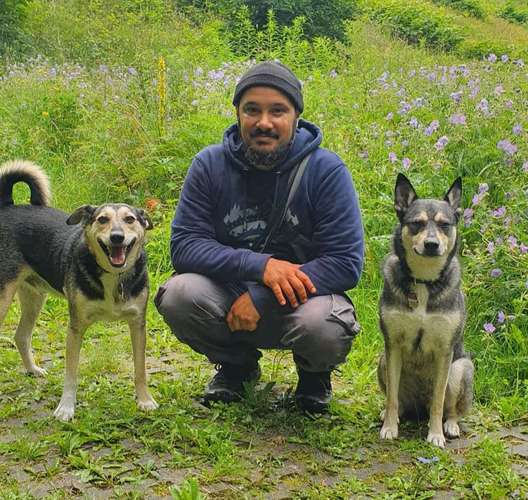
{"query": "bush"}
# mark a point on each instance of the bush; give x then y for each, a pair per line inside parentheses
(470, 7)
(322, 18)
(514, 14)
(415, 22)
(12, 15)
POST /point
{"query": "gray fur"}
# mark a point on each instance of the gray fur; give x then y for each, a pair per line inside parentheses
(422, 316)
(99, 265)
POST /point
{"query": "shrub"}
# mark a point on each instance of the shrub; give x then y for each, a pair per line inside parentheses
(514, 14)
(415, 22)
(322, 18)
(12, 15)
(470, 7)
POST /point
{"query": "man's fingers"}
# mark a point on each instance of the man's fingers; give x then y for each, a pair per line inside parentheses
(277, 291)
(299, 288)
(307, 282)
(287, 290)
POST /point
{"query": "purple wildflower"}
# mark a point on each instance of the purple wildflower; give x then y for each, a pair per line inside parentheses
(483, 106)
(132, 71)
(468, 216)
(508, 103)
(406, 163)
(405, 107)
(519, 62)
(512, 241)
(363, 154)
(431, 128)
(442, 142)
(496, 272)
(492, 58)
(491, 247)
(392, 157)
(389, 116)
(505, 58)
(457, 119)
(499, 90)
(523, 248)
(413, 122)
(506, 146)
(483, 188)
(525, 166)
(501, 317)
(332, 73)
(489, 328)
(456, 96)
(517, 129)
(499, 212)
(476, 199)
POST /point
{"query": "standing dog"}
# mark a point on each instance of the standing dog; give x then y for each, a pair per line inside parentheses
(94, 257)
(424, 368)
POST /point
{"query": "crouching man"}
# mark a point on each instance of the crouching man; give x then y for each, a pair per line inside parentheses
(266, 239)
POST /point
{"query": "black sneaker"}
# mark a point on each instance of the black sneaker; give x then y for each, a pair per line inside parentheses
(227, 386)
(314, 391)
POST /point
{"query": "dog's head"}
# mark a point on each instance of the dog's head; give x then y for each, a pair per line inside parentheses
(428, 225)
(115, 233)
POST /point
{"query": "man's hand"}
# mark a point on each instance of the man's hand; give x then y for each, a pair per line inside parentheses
(243, 314)
(287, 281)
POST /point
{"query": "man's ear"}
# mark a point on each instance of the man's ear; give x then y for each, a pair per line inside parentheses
(82, 214)
(404, 195)
(144, 219)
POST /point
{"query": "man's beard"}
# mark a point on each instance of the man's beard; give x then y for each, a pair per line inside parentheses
(266, 161)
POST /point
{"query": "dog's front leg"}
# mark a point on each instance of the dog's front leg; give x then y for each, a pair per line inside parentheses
(138, 336)
(66, 407)
(436, 434)
(394, 364)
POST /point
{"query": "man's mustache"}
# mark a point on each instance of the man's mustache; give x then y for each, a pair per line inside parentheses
(263, 133)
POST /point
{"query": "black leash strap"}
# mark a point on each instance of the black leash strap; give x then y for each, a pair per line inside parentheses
(294, 181)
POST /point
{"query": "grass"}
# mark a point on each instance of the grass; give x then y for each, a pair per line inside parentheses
(107, 122)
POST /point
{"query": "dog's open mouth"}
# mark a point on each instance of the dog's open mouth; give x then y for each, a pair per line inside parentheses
(117, 254)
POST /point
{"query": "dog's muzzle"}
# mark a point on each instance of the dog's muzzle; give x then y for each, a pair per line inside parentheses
(116, 253)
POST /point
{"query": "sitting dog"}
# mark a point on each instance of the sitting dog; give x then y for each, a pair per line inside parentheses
(424, 368)
(94, 257)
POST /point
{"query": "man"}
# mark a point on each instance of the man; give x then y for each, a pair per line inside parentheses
(252, 272)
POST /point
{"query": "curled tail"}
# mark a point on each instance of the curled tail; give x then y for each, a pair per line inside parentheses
(15, 171)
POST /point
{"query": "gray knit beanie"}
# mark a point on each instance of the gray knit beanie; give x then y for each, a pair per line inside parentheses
(271, 74)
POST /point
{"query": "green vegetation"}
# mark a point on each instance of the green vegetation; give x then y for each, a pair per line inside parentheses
(114, 99)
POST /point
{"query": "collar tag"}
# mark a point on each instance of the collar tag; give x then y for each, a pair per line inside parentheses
(412, 299)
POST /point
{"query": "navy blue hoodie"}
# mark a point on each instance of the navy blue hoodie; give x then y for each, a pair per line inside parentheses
(224, 212)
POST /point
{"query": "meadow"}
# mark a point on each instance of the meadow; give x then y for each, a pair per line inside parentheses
(115, 98)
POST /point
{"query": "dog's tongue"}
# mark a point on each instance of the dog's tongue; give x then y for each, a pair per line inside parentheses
(117, 256)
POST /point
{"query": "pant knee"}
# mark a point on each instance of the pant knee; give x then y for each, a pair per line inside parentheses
(188, 300)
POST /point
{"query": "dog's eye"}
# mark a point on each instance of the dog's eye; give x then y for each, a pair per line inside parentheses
(445, 227)
(102, 219)
(130, 219)
(416, 226)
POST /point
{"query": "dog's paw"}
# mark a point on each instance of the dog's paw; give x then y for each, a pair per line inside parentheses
(451, 428)
(64, 412)
(147, 404)
(37, 371)
(389, 432)
(436, 439)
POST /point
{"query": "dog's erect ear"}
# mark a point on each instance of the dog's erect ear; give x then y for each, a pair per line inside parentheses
(454, 196)
(82, 214)
(144, 219)
(404, 195)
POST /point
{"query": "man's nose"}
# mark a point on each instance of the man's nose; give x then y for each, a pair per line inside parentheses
(264, 122)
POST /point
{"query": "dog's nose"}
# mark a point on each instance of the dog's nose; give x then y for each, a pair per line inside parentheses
(431, 245)
(117, 237)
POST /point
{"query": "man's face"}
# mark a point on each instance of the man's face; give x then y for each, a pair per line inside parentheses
(267, 119)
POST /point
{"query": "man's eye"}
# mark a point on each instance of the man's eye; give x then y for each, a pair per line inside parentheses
(102, 219)
(130, 219)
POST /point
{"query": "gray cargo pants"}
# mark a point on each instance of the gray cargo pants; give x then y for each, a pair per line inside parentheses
(319, 332)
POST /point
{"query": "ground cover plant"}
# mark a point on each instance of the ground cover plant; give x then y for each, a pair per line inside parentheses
(115, 107)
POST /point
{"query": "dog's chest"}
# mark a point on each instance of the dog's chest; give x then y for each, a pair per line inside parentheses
(415, 329)
(115, 306)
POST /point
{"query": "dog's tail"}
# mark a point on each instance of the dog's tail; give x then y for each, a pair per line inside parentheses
(15, 171)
